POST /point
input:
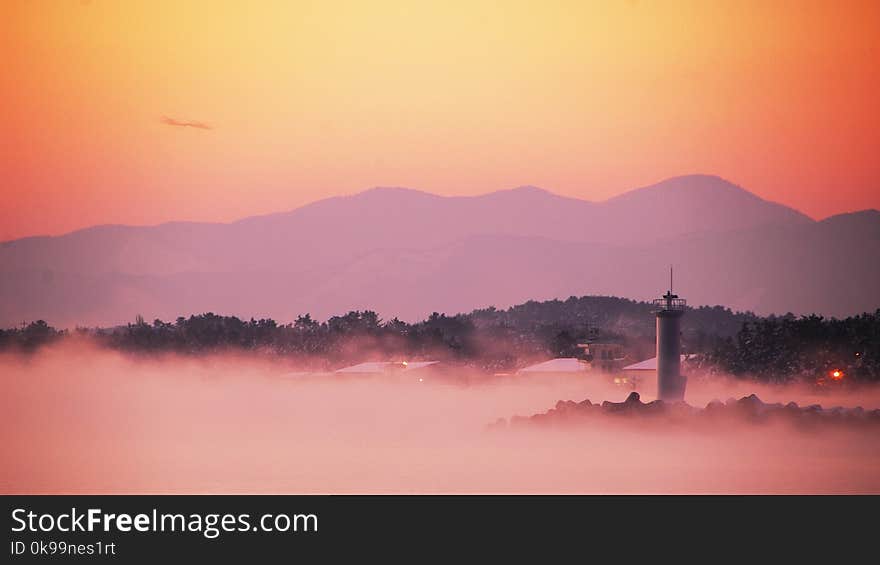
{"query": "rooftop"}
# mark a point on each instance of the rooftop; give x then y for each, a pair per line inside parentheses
(558, 365)
(386, 366)
(648, 364)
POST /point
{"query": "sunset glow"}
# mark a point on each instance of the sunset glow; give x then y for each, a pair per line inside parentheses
(283, 103)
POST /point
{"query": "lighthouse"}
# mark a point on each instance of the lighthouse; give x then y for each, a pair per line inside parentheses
(669, 310)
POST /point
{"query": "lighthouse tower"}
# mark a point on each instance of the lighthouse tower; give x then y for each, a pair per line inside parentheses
(670, 382)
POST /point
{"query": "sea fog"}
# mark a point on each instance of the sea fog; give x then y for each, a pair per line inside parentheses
(81, 419)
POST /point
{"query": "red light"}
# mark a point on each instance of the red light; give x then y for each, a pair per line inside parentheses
(836, 374)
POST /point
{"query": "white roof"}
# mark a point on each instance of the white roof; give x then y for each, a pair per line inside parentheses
(558, 365)
(383, 366)
(647, 364)
(298, 374)
(413, 365)
(368, 367)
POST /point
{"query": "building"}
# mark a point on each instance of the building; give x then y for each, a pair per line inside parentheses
(377, 368)
(644, 372)
(670, 309)
(604, 356)
(294, 375)
(558, 366)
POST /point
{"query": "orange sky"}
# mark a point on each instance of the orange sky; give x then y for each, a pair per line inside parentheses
(311, 99)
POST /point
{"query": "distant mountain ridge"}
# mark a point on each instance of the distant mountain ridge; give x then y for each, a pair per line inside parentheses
(406, 253)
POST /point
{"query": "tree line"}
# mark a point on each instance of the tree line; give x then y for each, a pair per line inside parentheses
(808, 348)
(498, 340)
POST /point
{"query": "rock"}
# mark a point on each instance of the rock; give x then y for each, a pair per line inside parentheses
(564, 405)
(679, 409)
(632, 403)
(715, 404)
(748, 407)
(857, 413)
(750, 400)
(633, 398)
(751, 406)
(655, 407)
(498, 424)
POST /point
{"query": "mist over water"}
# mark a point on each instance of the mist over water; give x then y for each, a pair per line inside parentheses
(81, 419)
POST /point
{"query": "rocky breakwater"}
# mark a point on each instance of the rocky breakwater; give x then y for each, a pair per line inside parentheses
(749, 409)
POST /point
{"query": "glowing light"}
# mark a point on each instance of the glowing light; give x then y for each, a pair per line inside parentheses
(836, 374)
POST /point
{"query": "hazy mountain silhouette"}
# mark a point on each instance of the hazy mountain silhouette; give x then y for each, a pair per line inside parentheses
(407, 253)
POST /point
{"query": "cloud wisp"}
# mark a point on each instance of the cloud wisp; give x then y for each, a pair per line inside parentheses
(185, 123)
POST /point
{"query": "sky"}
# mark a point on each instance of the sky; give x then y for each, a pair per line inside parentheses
(144, 112)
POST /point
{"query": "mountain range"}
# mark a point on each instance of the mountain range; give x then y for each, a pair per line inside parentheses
(408, 253)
